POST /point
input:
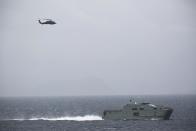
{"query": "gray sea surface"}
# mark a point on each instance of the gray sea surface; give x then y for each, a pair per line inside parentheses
(83, 113)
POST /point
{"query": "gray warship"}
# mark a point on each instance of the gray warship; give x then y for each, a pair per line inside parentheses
(139, 111)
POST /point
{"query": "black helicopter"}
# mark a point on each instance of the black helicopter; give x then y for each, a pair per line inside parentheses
(46, 21)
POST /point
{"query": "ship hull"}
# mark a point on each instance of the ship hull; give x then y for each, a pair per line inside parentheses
(163, 114)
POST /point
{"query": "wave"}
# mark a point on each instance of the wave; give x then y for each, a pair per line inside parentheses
(68, 118)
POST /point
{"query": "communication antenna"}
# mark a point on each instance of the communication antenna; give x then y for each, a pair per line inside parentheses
(131, 99)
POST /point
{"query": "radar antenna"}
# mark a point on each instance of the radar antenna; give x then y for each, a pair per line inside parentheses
(132, 100)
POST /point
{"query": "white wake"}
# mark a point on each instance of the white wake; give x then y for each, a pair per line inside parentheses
(68, 118)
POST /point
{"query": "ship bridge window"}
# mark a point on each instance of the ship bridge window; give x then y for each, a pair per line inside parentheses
(134, 108)
(145, 103)
(136, 113)
(141, 108)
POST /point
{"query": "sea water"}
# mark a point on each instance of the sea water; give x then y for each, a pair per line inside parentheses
(83, 113)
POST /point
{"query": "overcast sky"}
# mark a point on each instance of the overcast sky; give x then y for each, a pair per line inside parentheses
(97, 47)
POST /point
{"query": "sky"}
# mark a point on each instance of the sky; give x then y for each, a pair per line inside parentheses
(97, 47)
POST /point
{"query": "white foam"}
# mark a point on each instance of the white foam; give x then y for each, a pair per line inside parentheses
(69, 118)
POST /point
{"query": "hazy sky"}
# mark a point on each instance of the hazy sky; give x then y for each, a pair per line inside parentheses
(97, 47)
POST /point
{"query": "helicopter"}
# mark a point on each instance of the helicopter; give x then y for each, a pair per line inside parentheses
(46, 21)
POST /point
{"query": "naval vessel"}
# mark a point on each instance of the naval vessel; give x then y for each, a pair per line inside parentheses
(139, 111)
